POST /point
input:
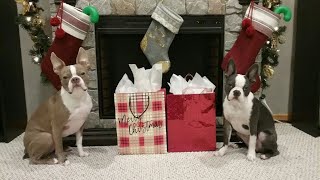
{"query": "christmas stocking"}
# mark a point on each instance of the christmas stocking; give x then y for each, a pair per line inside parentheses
(73, 27)
(160, 34)
(257, 27)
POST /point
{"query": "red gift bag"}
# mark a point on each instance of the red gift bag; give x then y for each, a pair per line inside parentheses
(191, 122)
(141, 122)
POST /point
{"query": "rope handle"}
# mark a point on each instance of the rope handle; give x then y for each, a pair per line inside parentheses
(188, 75)
(138, 116)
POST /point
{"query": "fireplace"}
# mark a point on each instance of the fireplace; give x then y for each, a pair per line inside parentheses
(209, 30)
(198, 47)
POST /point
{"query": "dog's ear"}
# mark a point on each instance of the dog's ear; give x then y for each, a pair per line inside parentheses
(57, 63)
(231, 68)
(83, 58)
(252, 73)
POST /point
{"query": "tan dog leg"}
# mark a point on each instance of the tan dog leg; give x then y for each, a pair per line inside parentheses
(39, 147)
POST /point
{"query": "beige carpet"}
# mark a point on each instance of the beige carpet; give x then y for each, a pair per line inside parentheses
(298, 159)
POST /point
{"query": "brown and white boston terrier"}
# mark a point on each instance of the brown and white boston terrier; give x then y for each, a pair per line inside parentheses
(61, 115)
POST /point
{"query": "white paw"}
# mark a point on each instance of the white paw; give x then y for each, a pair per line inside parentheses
(263, 156)
(251, 156)
(221, 151)
(66, 163)
(83, 154)
(234, 145)
(55, 161)
(218, 153)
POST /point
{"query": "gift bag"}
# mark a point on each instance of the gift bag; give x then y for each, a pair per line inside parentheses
(141, 123)
(140, 112)
(191, 120)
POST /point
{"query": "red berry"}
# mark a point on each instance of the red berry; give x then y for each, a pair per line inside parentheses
(55, 21)
(246, 23)
(250, 31)
(60, 33)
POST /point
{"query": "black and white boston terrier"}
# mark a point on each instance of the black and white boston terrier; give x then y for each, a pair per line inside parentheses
(252, 121)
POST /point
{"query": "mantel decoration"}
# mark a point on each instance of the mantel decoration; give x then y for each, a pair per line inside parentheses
(29, 19)
(270, 51)
(259, 25)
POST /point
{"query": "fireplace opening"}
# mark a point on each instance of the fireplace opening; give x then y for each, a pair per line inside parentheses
(198, 47)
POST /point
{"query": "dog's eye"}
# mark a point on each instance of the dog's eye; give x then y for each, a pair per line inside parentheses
(65, 77)
(245, 88)
(230, 85)
(83, 73)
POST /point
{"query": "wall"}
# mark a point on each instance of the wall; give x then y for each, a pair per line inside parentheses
(35, 91)
(279, 91)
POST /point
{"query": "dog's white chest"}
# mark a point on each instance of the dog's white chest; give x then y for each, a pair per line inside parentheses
(238, 115)
(79, 109)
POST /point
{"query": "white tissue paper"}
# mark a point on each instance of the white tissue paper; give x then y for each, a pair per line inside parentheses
(198, 85)
(145, 80)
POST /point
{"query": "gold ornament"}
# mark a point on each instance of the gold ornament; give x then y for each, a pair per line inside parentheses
(268, 71)
(274, 42)
(267, 4)
(37, 21)
(276, 2)
(282, 39)
(25, 6)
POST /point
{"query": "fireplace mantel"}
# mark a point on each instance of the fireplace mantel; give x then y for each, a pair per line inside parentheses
(73, 2)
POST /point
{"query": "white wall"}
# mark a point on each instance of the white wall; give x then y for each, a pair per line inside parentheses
(35, 91)
(278, 92)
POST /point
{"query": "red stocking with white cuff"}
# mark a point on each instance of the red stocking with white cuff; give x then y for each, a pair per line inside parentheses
(257, 27)
(73, 27)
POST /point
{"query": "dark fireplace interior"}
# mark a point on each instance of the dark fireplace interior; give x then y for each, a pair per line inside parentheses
(198, 47)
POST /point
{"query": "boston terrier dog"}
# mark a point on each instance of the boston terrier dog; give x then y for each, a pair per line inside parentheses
(252, 121)
(61, 115)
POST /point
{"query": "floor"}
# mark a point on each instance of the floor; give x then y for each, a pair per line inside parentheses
(298, 159)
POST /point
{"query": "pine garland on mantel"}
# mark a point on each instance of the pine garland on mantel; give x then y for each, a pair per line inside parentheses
(29, 19)
(270, 52)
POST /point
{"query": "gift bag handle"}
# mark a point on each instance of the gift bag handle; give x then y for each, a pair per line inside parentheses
(138, 117)
(188, 75)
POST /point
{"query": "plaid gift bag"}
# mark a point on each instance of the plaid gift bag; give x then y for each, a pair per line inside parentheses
(141, 122)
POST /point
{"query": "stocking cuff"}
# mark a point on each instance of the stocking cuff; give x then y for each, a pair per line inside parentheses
(74, 22)
(263, 19)
(168, 18)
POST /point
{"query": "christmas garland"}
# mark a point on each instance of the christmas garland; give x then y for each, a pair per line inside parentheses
(270, 52)
(30, 20)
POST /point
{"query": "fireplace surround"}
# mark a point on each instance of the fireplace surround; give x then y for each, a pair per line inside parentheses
(100, 129)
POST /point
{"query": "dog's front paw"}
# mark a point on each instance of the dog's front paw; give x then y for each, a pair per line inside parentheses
(55, 161)
(83, 154)
(66, 163)
(221, 151)
(61, 158)
(218, 153)
(251, 156)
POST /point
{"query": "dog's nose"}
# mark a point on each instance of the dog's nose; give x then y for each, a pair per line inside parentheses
(236, 93)
(75, 80)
